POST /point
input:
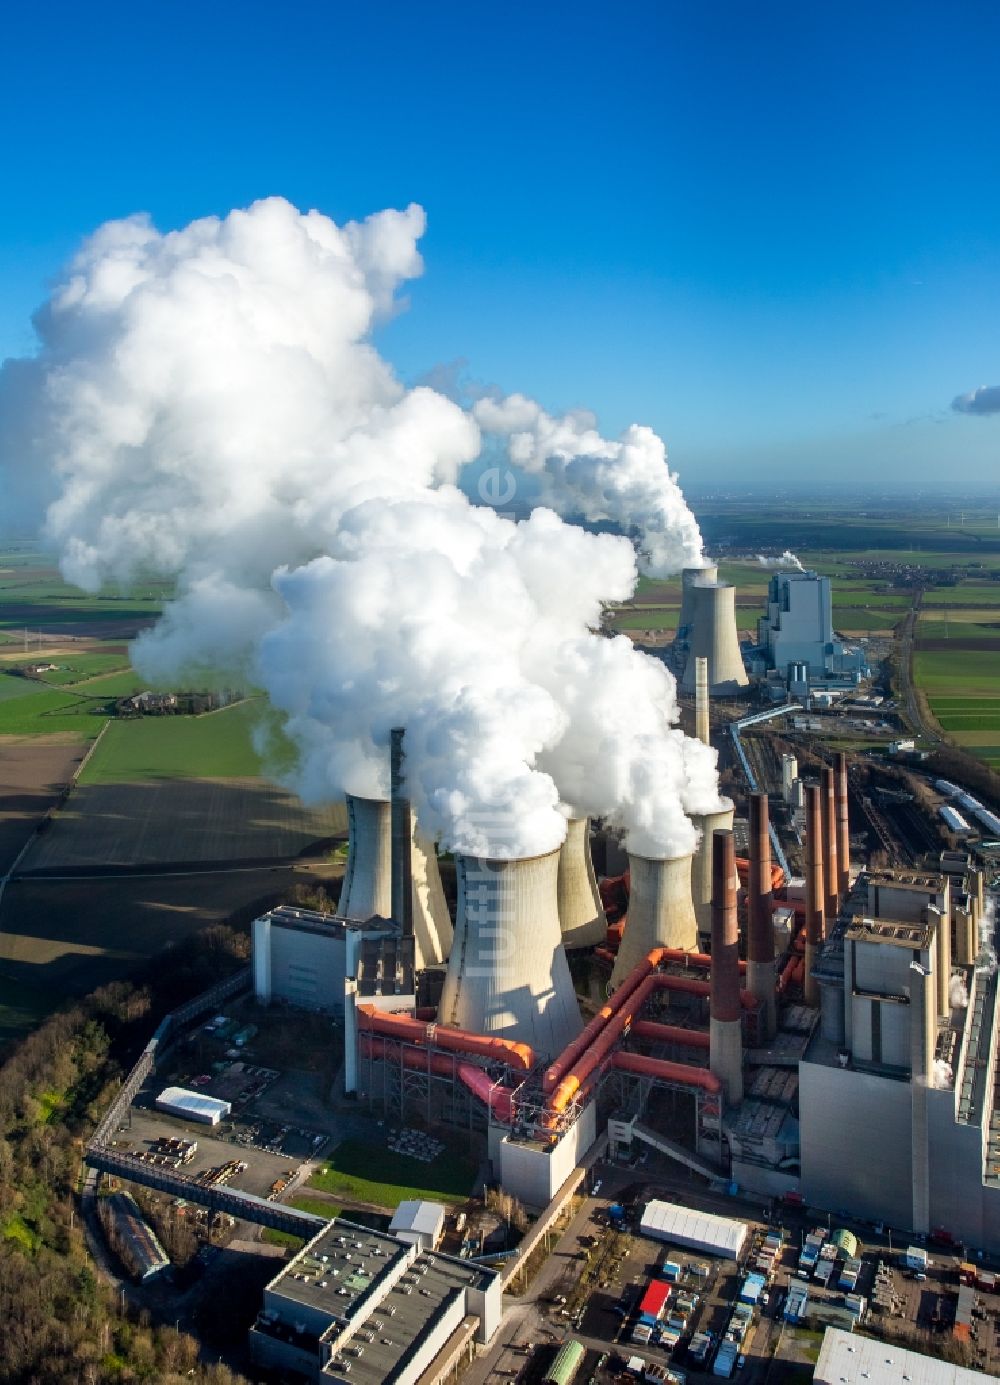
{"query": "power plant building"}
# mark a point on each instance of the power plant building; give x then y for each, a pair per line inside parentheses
(908, 1049)
(356, 1305)
(797, 629)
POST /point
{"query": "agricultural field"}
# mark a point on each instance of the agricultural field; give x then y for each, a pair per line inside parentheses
(61, 938)
(32, 777)
(363, 1172)
(217, 745)
(966, 594)
(186, 821)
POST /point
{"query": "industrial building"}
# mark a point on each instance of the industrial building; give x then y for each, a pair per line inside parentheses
(192, 1106)
(418, 1223)
(847, 1359)
(907, 1047)
(700, 1231)
(795, 635)
(356, 1305)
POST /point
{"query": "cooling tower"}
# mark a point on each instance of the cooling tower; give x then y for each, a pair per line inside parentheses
(725, 1014)
(760, 929)
(691, 579)
(507, 973)
(581, 913)
(660, 911)
(713, 637)
(701, 873)
(367, 887)
(815, 889)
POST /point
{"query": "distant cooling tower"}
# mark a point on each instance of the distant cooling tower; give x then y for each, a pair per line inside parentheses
(507, 973)
(367, 888)
(660, 911)
(581, 913)
(701, 874)
(691, 579)
(713, 636)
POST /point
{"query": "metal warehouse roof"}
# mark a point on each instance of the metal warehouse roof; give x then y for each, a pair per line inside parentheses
(422, 1218)
(703, 1230)
(846, 1359)
(181, 1101)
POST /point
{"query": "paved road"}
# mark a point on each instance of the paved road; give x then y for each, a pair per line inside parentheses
(911, 705)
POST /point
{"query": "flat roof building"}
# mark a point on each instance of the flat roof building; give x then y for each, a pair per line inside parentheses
(192, 1106)
(361, 1306)
(846, 1359)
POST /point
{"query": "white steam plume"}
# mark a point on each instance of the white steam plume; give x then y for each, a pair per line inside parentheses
(958, 994)
(581, 474)
(942, 1073)
(208, 405)
(787, 559)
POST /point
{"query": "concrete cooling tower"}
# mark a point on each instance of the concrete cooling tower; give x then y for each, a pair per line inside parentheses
(713, 637)
(701, 873)
(660, 911)
(581, 913)
(367, 888)
(691, 579)
(507, 973)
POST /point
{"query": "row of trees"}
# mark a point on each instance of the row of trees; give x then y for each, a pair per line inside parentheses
(60, 1324)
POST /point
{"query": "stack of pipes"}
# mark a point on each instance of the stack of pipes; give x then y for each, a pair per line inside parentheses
(725, 1021)
(760, 930)
(815, 889)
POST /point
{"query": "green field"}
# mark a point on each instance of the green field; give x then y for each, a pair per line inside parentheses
(863, 618)
(646, 618)
(12, 686)
(50, 712)
(963, 672)
(366, 1173)
(215, 746)
(968, 594)
(77, 668)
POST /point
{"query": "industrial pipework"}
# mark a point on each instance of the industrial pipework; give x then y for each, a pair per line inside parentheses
(725, 1016)
(581, 913)
(660, 911)
(815, 889)
(760, 929)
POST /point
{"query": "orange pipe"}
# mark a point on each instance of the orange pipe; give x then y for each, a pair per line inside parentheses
(396, 1026)
(668, 1072)
(592, 1031)
(500, 1100)
(375, 1048)
(669, 1034)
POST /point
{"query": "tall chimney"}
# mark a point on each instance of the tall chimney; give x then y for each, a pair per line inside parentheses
(725, 1024)
(831, 874)
(815, 893)
(401, 828)
(843, 825)
(760, 939)
(701, 699)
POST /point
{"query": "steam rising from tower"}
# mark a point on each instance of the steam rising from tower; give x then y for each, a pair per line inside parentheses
(207, 405)
(714, 637)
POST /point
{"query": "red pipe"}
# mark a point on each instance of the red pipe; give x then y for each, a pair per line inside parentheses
(396, 1026)
(668, 1072)
(668, 1034)
(500, 1100)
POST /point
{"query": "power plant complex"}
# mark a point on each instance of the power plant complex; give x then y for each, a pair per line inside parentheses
(874, 1008)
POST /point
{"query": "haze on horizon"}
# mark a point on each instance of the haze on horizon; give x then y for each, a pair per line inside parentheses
(770, 233)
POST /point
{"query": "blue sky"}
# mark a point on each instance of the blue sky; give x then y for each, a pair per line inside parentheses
(770, 230)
